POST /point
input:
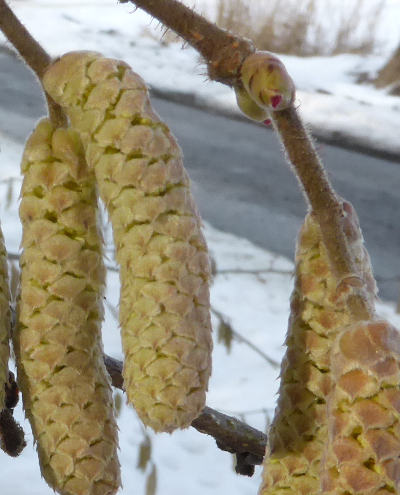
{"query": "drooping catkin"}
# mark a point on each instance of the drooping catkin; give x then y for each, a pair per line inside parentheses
(164, 266)
(66, 390)
(5, 321)
(362, 454)
(318, 311)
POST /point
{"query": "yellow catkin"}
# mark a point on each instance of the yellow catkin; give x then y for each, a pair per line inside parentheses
(5, 320)
(164, 265)
(66, 389)
(363, 451)
(318, 311)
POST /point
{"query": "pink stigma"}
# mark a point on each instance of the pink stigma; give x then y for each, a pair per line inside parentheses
(267, 122)
(275, 100)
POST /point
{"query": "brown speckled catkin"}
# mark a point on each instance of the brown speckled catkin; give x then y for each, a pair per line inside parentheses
(66, 389)
(318, 311)
(362, 455)
(164, 266)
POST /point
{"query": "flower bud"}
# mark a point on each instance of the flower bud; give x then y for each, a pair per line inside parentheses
(267, 81)
(250, 107)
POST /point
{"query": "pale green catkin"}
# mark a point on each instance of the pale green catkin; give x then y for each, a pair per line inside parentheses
(164, 265)
(298, 432)
(65, 387)
(5, 320)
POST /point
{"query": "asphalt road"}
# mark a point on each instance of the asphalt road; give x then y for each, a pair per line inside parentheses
(241, 181)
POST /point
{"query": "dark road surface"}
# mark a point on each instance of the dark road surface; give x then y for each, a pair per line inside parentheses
(241, 181)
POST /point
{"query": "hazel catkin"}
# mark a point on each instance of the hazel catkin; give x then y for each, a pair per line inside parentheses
(319, 311)
(362, 454)
(164, 266)
(66, 390)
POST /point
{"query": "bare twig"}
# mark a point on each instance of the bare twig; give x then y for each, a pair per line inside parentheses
(243, 340)
(32, 53)
(223, 51)
(29, 49)
(325, 204)
(230, 434)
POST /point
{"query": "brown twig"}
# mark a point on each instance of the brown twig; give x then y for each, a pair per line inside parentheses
(32, 53)
(223, 52)
(230, 434)
(243, 340)
(325, 203)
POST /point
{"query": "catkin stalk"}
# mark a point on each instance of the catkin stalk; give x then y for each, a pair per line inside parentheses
(5, 321)
(66, 390)
(318, 311)
(362, 455)
(164, 266)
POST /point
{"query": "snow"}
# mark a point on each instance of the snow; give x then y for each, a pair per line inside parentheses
(251, 287)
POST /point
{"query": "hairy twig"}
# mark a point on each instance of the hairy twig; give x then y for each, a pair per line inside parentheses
(231, 434)
(32, 53)
(223, 52)
(325, 203)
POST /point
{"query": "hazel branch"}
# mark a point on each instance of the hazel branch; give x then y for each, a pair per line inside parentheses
(32, 53)
(325, 203)
(230, 434)
(223, 52)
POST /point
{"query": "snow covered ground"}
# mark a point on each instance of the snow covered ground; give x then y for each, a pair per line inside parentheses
(251, 287)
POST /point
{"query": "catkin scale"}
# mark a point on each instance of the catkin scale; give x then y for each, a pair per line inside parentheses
(362, 454)
(66, 390)
(299, 432)
(5, 321)
(164, 266)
